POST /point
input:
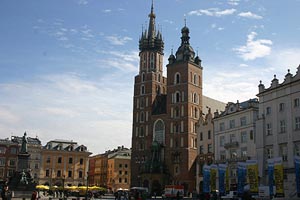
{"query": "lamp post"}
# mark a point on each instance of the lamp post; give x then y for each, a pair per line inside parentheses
(63, 182)
(87, 186)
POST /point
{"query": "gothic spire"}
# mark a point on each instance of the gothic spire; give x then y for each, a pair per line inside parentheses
(151, 30)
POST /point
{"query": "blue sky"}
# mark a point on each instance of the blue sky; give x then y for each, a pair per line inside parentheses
(67, 67)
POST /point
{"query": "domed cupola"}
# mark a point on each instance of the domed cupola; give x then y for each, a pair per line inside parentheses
(185, 52)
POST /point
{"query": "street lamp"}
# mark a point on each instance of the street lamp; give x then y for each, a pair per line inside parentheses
(63, 182)
(87, 186)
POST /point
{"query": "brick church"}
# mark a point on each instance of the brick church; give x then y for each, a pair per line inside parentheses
(165, 113)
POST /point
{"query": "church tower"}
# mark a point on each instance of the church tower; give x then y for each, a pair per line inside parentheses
(165, 112)
(149, 101)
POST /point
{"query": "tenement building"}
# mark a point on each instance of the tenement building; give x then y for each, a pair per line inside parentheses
(234, 136)
(278, 127)
(165, 113)
(64, 163)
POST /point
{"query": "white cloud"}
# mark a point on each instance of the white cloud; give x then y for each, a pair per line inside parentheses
(214, 12)
(83, 2)
(6, 115)
(61, 111)
(254, 48)
(249, 15)
(106, 11)
(117, 40)
(233, 2)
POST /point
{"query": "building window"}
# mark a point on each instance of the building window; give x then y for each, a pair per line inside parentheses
(126, 165)
(201, 150)
(13, 150)
(177, 97)
(59, 160)
(251, 135)
(70, 160)
(48, 159)
(177, 112)
(47, 173)
(209, 148)
(81, 161)
(142, 89)
(120, 165)
(232, 138)
(58, 173)
(296, 103)
(233, 153)
(80, 174)
(297, 149)
(243, 121)
(142, 117)
(36, 166)
(222, 155)
(177, 78)
(195, 79)
(281, 106)
(269, 129)
(231, 123)
(297, 123)
(244, 152)
(209, 134)
(244, 137)
(69, 174)
(12, 163)
(222, 126)
(282, 126)
(268, 110)
(222, 141)
(269, 151)
(201, 136)
(283, 151)
(143, 77)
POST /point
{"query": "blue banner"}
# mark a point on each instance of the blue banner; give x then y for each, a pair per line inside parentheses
(222, 171)
(297, 171)
(206, 179)
(271, 176)
(241, 174)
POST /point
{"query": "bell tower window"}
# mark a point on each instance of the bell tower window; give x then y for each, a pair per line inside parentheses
(152, 61)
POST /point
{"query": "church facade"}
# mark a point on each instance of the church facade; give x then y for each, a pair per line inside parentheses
(165, 113)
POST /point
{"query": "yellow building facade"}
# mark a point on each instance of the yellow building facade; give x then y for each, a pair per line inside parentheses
(64, 163)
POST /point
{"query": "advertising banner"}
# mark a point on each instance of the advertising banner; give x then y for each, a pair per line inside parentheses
(297, 171)
(271, 176)
(252, 174)
(241, 174)
(278, 176)
(213, 177)
(222, 171)
(206, 179)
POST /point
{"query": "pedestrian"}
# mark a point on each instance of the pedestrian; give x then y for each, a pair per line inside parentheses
(5, 193)
(34, 195)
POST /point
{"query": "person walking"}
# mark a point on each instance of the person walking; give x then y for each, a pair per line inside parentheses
(5, 193)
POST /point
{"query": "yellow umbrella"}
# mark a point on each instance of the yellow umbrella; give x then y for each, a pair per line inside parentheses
(42, 187)
(82, 187)
(72, 188)
(95, 188)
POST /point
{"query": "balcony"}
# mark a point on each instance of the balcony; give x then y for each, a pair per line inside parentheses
(231, 145)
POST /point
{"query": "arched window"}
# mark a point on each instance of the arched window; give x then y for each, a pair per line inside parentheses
(196, 112)
(142, 102)
(152, 61)
(177, 112)
(177, 78)
(158, 77)
(143, 77)
(195, 79)
(177, 97)
(159, 131)
(142, 89)
(142, 117)
(195, 98)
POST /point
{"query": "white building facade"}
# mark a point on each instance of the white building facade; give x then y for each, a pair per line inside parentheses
(234, 136)
(278, 128)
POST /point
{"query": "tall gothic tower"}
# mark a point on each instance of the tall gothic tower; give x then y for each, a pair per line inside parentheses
(165, 112)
